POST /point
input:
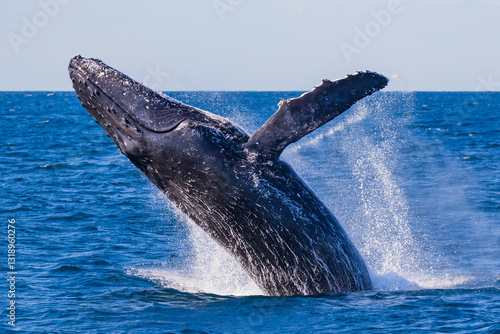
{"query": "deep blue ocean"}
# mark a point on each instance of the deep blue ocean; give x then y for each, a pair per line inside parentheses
(414, 178)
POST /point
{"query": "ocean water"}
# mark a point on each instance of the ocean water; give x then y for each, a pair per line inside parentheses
(412, 177)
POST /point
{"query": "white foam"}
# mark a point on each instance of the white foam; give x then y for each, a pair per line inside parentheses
(205, 267)
(189, 281)
(442, 280)
(392, 282)
(214, 269)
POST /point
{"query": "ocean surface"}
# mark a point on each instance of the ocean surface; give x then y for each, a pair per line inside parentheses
(414, 178)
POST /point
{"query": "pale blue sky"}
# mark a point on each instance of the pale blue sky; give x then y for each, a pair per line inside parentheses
(254, 44)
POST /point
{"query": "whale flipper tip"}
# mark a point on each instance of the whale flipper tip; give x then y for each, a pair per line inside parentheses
(297, 117)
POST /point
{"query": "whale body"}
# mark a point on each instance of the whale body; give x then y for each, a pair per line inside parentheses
(233, 185)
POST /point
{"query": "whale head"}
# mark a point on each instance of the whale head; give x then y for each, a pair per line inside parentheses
(161, 136)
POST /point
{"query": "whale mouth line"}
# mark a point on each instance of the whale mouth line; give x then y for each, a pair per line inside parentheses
(90, 89)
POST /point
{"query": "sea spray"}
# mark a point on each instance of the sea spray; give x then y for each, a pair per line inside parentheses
(202, 266)
(371, 205)
(374, 208)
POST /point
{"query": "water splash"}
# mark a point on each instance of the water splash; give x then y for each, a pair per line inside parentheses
(203, 265)
(215, 269)
(372, 204)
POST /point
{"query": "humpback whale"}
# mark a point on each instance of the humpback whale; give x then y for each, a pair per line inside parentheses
(233, 185)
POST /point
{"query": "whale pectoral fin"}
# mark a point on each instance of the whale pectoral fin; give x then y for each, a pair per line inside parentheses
(297, 117)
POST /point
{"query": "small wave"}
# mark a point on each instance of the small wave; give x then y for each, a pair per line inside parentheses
(393, 281)
(9, 207)
(55, 166)
(67, 268)
(70, 216)
(444, 282)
